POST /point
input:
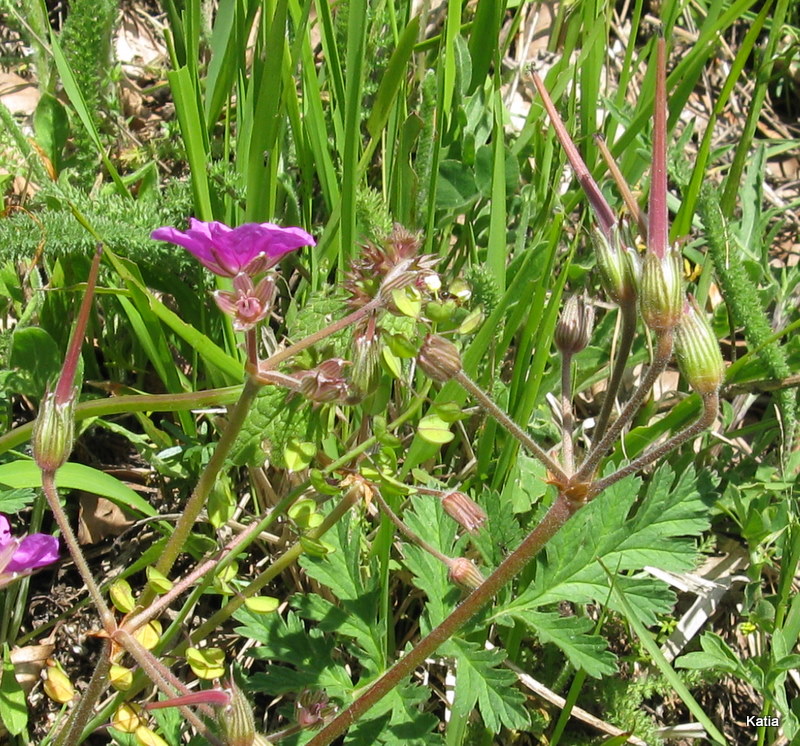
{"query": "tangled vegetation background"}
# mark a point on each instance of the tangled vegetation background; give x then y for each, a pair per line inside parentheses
(407, 145)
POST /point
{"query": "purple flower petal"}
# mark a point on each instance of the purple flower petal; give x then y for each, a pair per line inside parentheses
(35, 551)
(5, 530)
(228, 251)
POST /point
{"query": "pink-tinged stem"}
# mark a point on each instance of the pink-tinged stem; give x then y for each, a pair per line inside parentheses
(215, 697)
(603, 211)
(66, 381)
(159, 605)
(657, 237)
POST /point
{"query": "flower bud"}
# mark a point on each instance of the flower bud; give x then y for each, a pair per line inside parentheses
(464, 572)
(54, 432)
(574, 327)
(661, 299)
(439, 358)
(697, 350)
(238, 723)
(313, 708)
(618, 265)
(464, 511)
(247, 303)
(326, 383)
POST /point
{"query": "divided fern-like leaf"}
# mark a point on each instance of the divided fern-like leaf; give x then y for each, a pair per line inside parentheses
(492, 687)
(659, 532)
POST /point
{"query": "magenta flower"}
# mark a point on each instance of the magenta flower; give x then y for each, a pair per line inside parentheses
(250, 248)
(21, 556)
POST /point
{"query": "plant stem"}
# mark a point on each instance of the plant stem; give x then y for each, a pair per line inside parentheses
(706, 419)
(290, 351)
(162, 602)
(567, 452)
(51, 493)
(278, 566)
(71, 732)
(627, 333)
(511, 426)
(657, 367)
(204, 485)
(561, 510)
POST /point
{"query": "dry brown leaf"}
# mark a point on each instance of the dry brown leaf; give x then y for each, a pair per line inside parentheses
(99, 518)
(18, 95)
(29, 662)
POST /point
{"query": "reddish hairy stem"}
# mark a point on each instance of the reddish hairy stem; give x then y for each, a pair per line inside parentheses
(162, 602)
(527, 442)
(51, 494)
(166, 682)
(706, 419)
(71, 732)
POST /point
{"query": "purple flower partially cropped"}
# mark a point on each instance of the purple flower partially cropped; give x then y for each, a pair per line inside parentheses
(250, 248)
(20, 556)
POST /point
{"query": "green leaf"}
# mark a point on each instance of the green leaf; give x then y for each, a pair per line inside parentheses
(494, 689)
(399, 719)
(271, 422)
(427, 518)
(13, 501)
(666, 670)
(340, 571)
(356, 621)
(716, 654)
(456, 187)
(208, 663)
(306, 651)
(657, 534)
(571, 634)
(36, 360)
(25, 474)
(51, 124)
(262, 604)
(408, 301)
(157, 581)
(393, 78)
(298, 454)
(13, 708)
(392, 362)
(434, 429)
